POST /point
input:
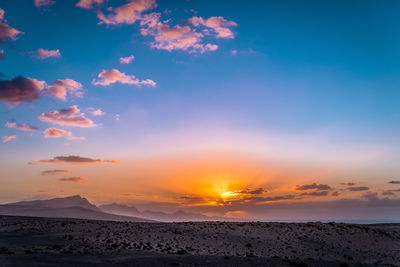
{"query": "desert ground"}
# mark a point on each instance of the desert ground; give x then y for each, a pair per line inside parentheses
(33, 241)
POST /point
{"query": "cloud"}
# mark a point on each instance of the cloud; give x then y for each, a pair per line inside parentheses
(348, 183)
(40, 3)
(107, 77)
(21, 126)
(73, 159)
(394, 182)
(88, 4)
(370, 196)
(315, 193)
(20, 89)
(67, 117)
(55, 133)
(314, 186)
(128, 13)
(53, 172)
(45, 53)
(178, 37)
(7, 32)
(96, 112)
(126, 60)
(11, 138)
(358, 188)
(234, 52)
(218, 25)
(2, 54)
(392, 192)
(74, 179)
(60, 88)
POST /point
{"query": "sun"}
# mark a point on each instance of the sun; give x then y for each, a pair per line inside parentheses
(229, 194)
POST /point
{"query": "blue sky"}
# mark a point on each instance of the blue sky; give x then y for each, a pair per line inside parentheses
(289, 71)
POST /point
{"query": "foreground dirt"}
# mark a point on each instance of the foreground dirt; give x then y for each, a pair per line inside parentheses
(30, 241)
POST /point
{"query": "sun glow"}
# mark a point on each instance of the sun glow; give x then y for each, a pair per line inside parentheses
(229, 194)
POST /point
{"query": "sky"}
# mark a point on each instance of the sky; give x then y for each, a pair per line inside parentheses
(257, 109)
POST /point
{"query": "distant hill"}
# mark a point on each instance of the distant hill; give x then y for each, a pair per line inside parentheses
(68, 207)
(179, 215)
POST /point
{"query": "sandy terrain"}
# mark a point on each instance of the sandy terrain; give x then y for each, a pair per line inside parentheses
(34, 241)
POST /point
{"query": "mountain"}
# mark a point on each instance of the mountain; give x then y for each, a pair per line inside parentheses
(179, 215)
(68, 207)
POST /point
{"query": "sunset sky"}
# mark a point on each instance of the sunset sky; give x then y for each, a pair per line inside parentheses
(229, 108)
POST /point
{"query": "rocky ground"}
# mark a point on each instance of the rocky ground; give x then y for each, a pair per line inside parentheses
(31, 241)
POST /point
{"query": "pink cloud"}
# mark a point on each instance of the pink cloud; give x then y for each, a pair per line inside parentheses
(128, 13)
(2, 54)
(107, 77)
(88, 4)
(96, 112)
(20, 89)
(11, 138)
(45, 53)
(7, 32)
(219, 25)
(126, 60)
(173, 38)
(54, 133)
(40, 3)
(21, 127)
(67, 117)
(60, 88)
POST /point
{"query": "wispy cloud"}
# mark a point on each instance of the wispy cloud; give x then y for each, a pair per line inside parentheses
(313, 186)
(107, 77)
(45, 53)
(73, 159)
(11, 138)
(88, 4)
(126, 60)
(73, 179)
(126, 14)
(21, 126)
(40, 3)
(358, 188)
(96, 112)
(67, 117)
(218, 25)
(53, 172)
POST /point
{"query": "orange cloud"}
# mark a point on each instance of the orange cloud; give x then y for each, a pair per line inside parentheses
(107, 77)
(96, 112)
(67, 117)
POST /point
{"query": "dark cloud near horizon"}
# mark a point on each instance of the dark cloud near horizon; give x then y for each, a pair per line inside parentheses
(394, 182)
(53, 172)
(74, 179)
(315, 193)
(73, 159)
(358, 188)
(348, 183)
(20, 89)
(313, 186)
